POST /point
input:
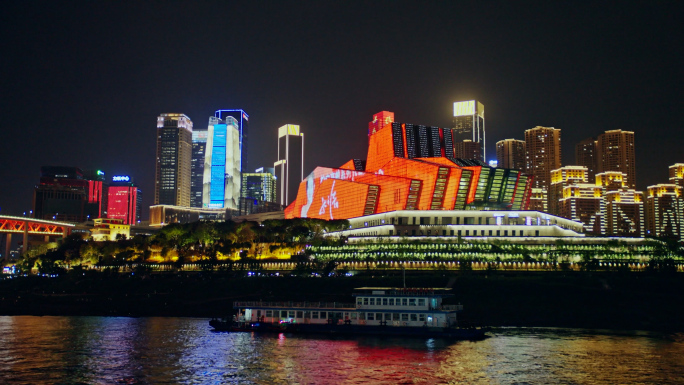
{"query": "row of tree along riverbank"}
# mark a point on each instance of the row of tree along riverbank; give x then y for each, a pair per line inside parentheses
(275, 243)
(606, 300)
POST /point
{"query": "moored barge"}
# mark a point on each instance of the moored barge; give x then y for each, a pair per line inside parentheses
(376, 311)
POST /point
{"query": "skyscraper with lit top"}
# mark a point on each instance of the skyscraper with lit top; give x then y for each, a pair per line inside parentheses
(469, 124)
(289, 167)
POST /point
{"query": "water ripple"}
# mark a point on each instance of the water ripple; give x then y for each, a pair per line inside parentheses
(98, 350)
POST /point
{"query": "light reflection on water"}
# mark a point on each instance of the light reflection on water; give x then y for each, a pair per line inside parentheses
(98, 350)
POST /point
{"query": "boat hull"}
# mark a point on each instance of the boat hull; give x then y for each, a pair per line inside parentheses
(346, 329)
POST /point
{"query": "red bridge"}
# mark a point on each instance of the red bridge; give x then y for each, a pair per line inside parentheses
(31, 226)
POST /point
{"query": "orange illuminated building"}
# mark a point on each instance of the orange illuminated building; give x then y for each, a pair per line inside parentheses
(408, 167)
(380, 120)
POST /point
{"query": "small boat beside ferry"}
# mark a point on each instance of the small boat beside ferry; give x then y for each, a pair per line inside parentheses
(376, 311)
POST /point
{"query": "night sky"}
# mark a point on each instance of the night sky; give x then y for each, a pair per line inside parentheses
(82, 82)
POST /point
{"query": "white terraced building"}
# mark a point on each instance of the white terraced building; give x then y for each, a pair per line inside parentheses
(463, 223)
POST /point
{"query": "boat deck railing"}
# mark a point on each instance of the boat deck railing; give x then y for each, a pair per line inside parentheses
(302, 305)
(328, 305)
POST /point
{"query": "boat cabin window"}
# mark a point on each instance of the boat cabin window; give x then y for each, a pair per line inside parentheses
(269, 313)
(359, 301)
(300, 314)
(412, 302)
(370, 316)
(378, 316)
(324, 314)
(337, 315)
(292, 314)
(283, 314)
(414, 317)
(372, 301)
(384, 302)
(314, 314)
(404, 317)
(353, 316)
(395, 316)
(404, 302)
(388, 316)
(258, 313)
(346, 316)
(391, 301)
(421, 301)
(421, 317)
(365, 301)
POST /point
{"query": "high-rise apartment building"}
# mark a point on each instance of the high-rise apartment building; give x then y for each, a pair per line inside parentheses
(242, 120)
(677, 174)
(289, 167)
(221, 182)
(625, 213)
(560, 179)
(125, 200)
(664, 211)
(469, 124)
(467, 150)
(571, 196)
(260, 185)
(615, 152)
(542, 154)
(199, 145)
(510, 153)
(585, 155)
(538, 199)
(174, 160)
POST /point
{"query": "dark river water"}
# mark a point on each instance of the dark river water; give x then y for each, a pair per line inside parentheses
(99, 350)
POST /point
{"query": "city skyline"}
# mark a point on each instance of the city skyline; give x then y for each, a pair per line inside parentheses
(585, 85)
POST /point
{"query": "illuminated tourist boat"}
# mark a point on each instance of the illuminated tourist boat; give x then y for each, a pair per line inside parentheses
(377, 311)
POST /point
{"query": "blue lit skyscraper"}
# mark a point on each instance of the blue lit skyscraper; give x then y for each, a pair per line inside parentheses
(243, 128)
(221, 187)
